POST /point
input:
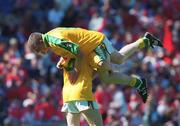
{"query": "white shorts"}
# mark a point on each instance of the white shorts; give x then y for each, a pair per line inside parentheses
(78, 106)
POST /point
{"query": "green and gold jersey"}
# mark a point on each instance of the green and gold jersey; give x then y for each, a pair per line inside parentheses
(67, 41)
(82, 88)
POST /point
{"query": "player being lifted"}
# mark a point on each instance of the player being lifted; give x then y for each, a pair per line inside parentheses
(72, 42)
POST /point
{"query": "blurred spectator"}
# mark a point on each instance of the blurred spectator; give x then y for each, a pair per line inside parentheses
(14, 114)
(118, 101)
(3, 106)
(55, 15)
(28, 116)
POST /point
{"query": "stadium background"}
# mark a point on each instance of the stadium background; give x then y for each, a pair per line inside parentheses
(30, 87)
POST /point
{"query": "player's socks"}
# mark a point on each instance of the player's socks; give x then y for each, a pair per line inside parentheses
(141, 87)
(147, 41)
(144, 43)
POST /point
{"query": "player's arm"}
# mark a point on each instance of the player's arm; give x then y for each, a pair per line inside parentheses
(67, 64)
(70, 63)
(72, 66)
(74, 73)
(61, 63)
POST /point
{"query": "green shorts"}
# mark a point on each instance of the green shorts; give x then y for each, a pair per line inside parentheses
(104, 49)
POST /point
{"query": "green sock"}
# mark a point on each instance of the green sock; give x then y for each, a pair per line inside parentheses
(138, 83)
(146, 42)
(135, 82)
(143, 43)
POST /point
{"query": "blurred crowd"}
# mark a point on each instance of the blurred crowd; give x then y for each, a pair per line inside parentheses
(30, 86)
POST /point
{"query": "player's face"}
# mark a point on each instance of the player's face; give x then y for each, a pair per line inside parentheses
(40, 48)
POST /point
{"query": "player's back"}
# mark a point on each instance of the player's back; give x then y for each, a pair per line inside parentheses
(86, 39)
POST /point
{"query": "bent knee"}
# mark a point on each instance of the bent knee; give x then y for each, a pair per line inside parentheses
(117, 58)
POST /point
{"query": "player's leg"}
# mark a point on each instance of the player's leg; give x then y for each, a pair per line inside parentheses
(93, 117)
(110, 76)
(120, 56)
(73, 119)
(120, 78)
(71, 112)
(116, 77)
(128, 50)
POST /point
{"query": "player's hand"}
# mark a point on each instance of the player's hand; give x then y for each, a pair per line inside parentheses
(58, 65)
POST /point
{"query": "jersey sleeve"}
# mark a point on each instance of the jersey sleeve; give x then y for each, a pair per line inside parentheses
(51, 41)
